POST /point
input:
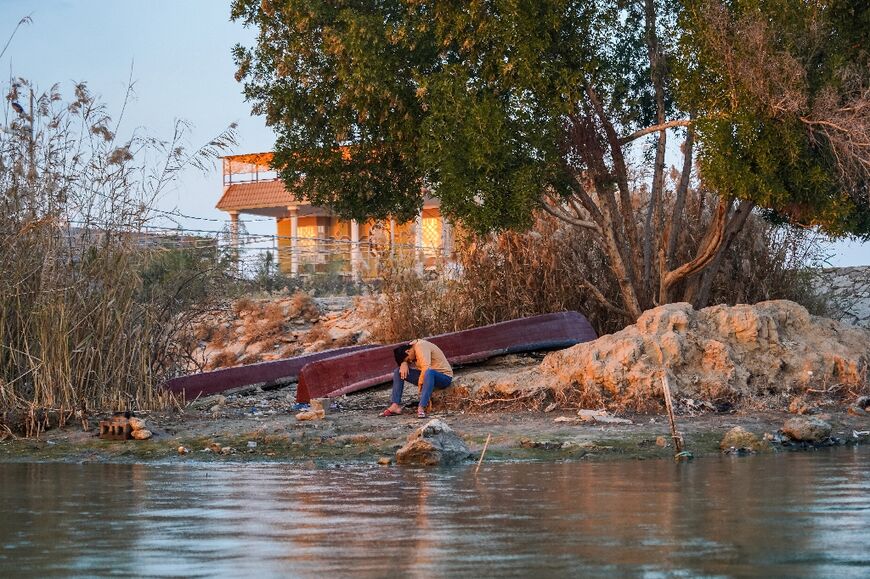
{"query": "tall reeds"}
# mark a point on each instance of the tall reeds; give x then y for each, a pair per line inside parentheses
(79, 326)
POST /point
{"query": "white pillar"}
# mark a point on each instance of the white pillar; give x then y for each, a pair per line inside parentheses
(355, 255)
(234, 236)
(446, 238)
(418, 240)
(294, 241)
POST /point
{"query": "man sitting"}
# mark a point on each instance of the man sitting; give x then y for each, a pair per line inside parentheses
(430, 370)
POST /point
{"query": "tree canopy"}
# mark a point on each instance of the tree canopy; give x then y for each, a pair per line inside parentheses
(506, 106)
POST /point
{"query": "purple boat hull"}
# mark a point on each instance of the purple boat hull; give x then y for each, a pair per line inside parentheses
(359, 370)
(266, 373)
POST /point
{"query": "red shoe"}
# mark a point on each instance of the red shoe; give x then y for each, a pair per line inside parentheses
(389, 412)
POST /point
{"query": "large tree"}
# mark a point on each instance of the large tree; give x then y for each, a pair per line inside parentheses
(504, 107)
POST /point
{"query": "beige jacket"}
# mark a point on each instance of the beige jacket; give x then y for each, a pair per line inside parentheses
(428, 355)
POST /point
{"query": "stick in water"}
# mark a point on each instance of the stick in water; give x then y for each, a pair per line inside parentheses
(669, 405)
(485, 444)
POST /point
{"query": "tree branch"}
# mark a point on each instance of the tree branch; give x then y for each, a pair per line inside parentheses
(655, 129)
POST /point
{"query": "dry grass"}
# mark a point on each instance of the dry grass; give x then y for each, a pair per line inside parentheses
(554, 267)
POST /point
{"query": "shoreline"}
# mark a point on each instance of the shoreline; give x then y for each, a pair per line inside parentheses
(235, 433)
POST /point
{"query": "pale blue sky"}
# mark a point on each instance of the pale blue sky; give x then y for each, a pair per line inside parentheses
(182, 68)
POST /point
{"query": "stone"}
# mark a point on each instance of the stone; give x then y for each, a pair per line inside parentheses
(385, 461)
(183, 450)
(856, 410)
(141, 434)
(740, 438)
(590, 415)
(435, 443)
(566, 420)
(661, 441)
(719, 353)
(136, 423)
(807, 429)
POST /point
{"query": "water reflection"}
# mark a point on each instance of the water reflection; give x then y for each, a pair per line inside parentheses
(785, 515)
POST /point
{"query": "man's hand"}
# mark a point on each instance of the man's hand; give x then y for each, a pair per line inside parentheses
(403, 370)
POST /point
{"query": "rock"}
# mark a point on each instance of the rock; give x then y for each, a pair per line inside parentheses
(856, 410)
(611, 420)
(310, 415)
(252, 444)
(807, 429)
(136, 424)
(141, 434)
(433, 444)
(863, 402)
(713, 354)
(228, 450)
(601, 416)
(661, 441)
(385, 461)
(740, 438)
(183, 450)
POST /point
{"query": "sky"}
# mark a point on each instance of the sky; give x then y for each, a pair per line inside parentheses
(178, 53)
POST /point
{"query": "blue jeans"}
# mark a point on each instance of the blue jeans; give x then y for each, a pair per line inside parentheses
(431, 380)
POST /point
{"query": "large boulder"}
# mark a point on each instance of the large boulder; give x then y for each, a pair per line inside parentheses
(807, 429)
(722, 352)
(739, 438)
(433, 444)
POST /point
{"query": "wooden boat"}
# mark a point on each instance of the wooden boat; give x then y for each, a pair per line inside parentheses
(263, 373)
(351, 372)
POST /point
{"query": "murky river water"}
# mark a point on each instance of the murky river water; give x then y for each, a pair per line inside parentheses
(785, 515)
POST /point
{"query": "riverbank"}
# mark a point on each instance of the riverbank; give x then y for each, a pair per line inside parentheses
(261, 427)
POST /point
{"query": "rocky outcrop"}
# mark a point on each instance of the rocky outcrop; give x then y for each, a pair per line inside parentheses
(433, 444)
(718, 354)
(738, 438)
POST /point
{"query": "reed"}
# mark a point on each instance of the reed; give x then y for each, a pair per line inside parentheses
(87, 321)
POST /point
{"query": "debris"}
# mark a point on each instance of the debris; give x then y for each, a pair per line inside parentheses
(252, 444)
(183, 450)
(566, 420)
(551, 407)
(601, 416)
(482, 453)
(661, 441)
(316, 411)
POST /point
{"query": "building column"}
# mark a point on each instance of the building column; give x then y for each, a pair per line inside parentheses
(418, 240)
(234, 236)
(355, 255)
(446, 238)
(294, 240)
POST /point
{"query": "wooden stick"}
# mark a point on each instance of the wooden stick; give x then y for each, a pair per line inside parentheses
(485, 444)
(669, 405)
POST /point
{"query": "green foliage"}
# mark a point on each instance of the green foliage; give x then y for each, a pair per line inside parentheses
(373, 101)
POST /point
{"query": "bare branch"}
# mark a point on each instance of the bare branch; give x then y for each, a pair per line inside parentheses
(655, 129)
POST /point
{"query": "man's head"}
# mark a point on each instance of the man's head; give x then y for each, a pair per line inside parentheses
(402, 353)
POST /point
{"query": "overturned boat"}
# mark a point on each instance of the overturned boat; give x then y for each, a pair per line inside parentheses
(350, 372)
(266, 374)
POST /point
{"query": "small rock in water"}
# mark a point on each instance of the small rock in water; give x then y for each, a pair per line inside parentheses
(661, 441)
(182, 450)
(385, 461)
(738, 438)
(807, 429)
(433, 444)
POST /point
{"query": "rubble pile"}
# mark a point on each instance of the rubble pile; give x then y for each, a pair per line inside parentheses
(261, 330)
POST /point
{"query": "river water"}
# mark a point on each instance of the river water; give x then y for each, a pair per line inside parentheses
(796, 514)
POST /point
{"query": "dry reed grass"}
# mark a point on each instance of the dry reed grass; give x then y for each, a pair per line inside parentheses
(83, 323)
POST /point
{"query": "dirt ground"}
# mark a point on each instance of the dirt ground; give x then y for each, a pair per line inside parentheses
(261, 426)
